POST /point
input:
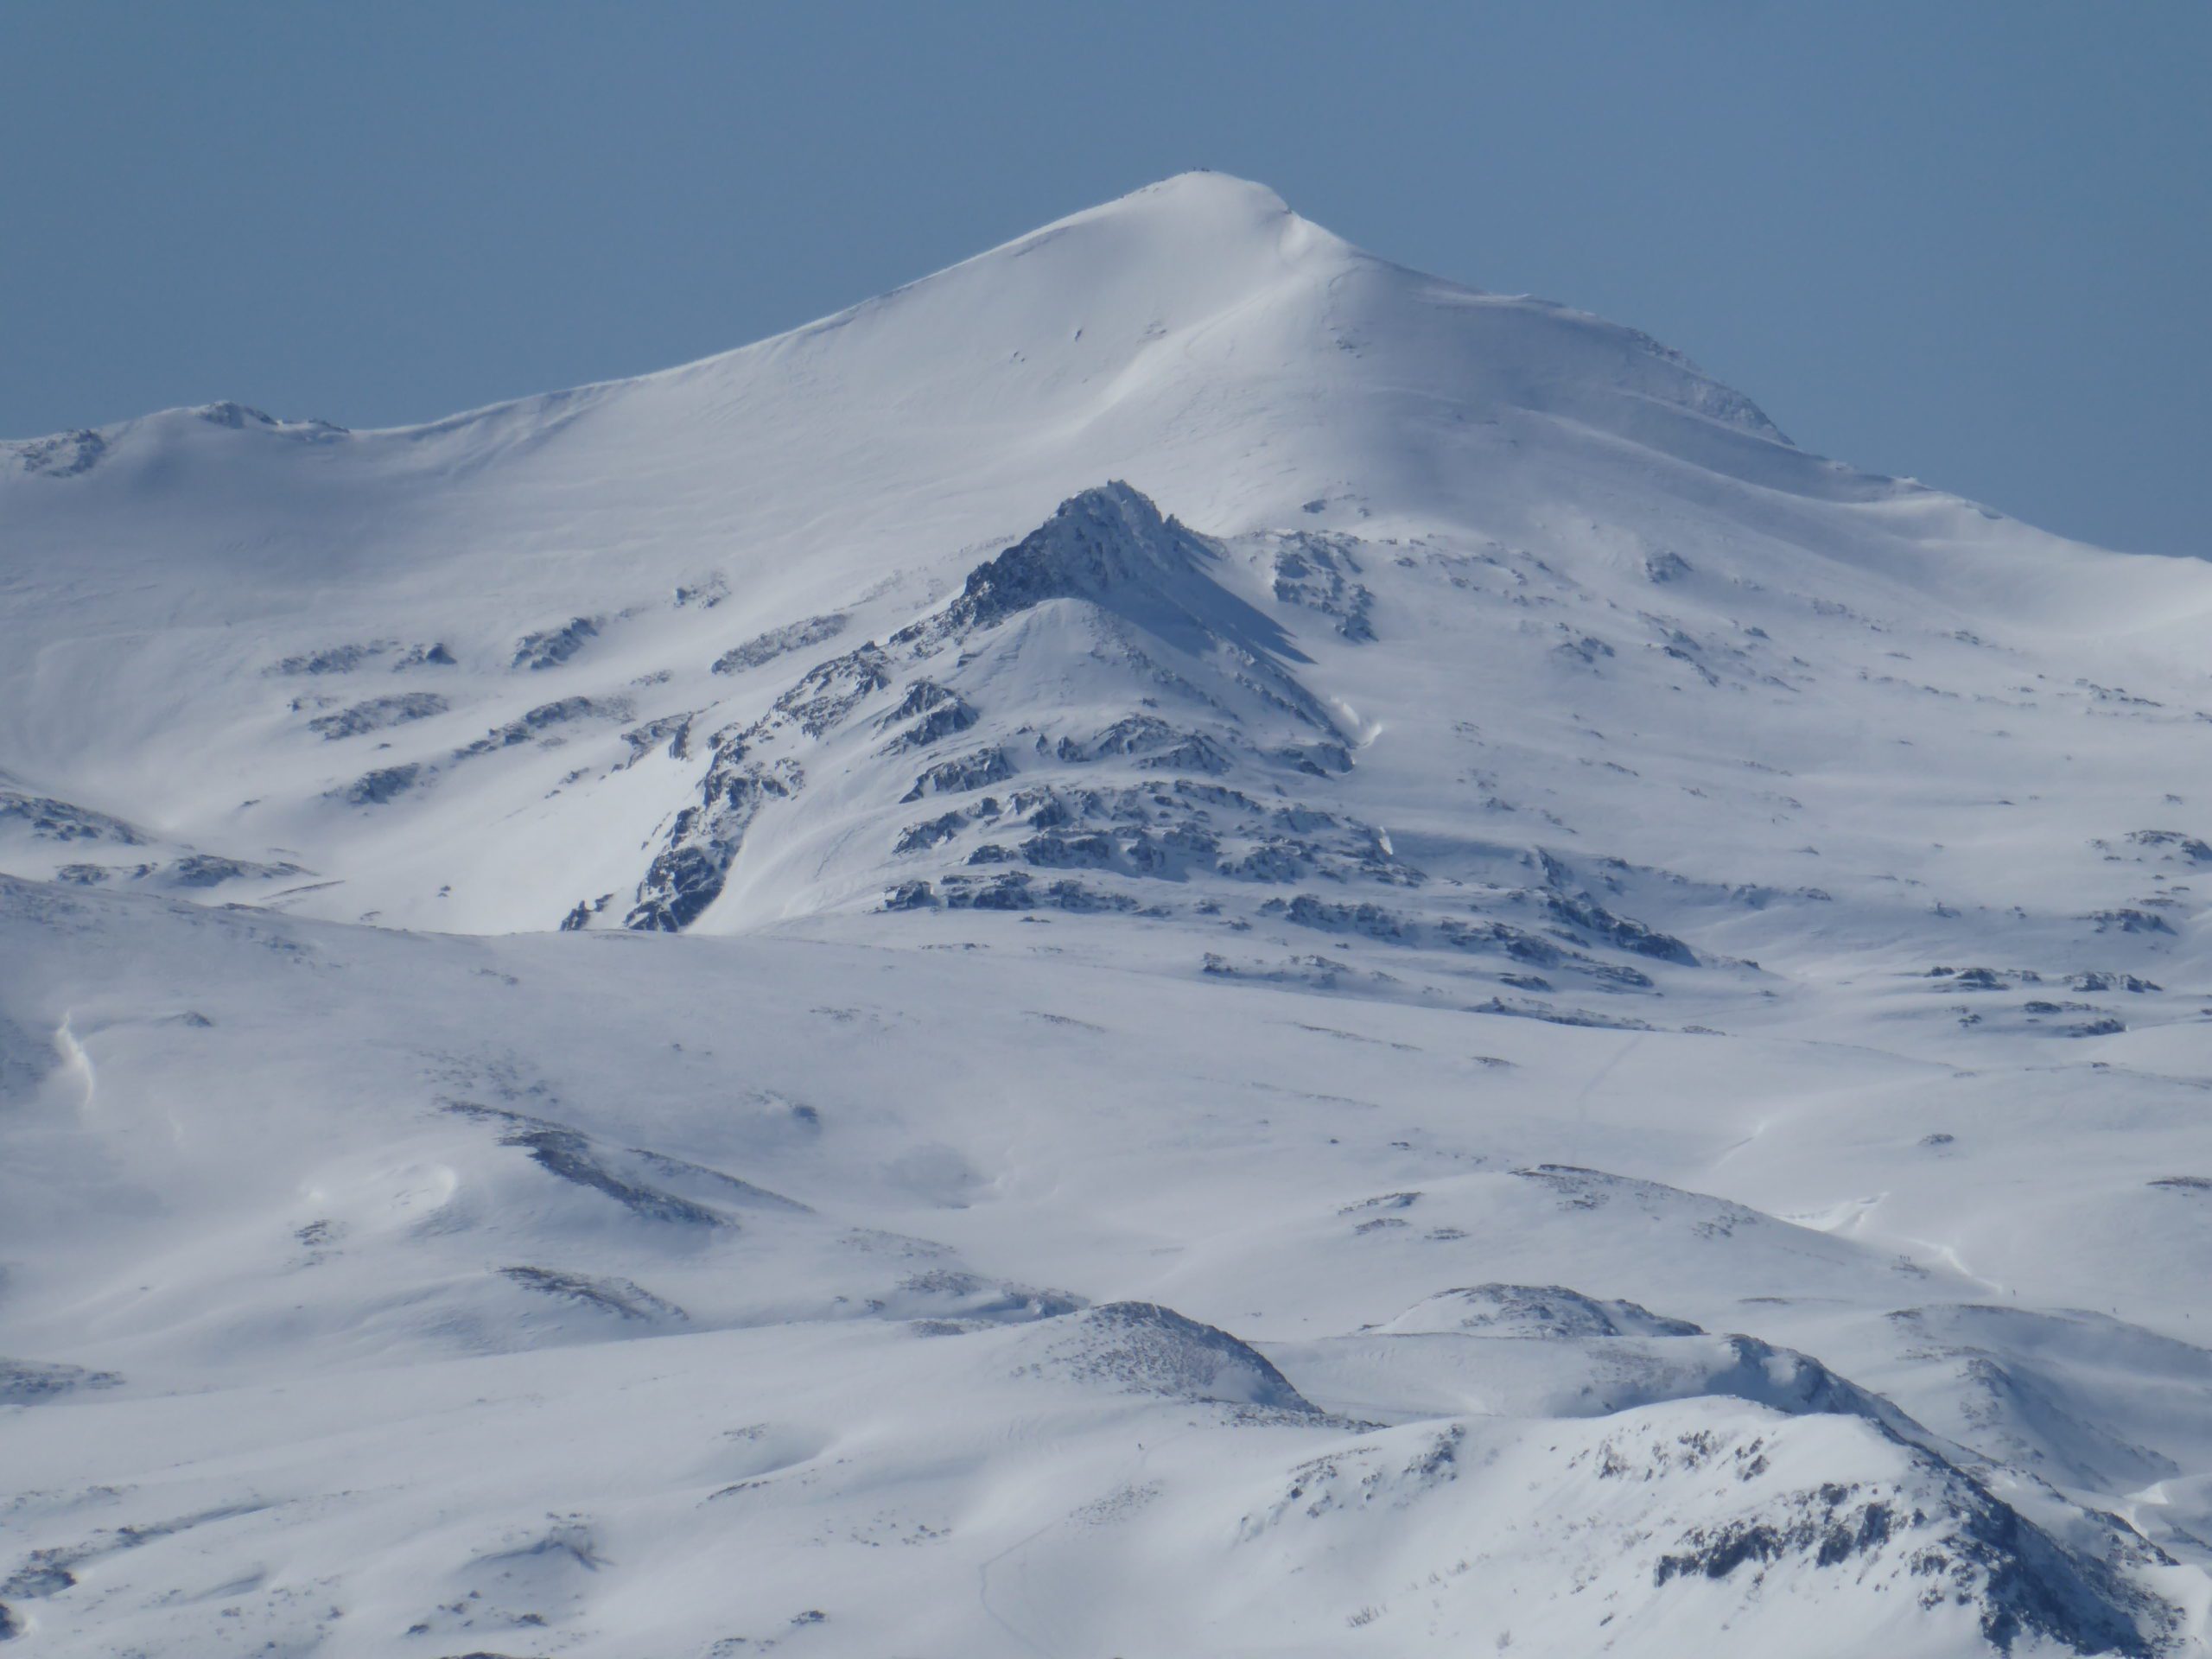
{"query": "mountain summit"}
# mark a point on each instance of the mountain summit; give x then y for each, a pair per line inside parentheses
(1352, 434)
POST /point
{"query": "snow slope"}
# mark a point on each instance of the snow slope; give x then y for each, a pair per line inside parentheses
(1354, 970)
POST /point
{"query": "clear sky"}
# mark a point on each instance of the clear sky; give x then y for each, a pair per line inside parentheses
(1967, 242)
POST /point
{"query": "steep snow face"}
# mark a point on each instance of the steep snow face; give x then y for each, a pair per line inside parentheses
(1358, 969)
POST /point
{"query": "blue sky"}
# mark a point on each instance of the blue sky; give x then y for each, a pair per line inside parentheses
(1968, 242)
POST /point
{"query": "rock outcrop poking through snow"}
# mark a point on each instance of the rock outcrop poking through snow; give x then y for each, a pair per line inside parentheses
(1154, 1350)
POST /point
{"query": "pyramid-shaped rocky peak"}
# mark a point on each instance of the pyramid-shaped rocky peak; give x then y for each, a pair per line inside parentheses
(1105, 540)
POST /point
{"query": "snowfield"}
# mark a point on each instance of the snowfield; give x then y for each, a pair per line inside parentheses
(1178, 943)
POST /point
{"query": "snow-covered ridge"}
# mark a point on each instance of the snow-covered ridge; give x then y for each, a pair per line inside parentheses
(1233, 241)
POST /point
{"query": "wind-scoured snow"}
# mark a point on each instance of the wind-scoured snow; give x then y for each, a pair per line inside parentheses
(1178, 943)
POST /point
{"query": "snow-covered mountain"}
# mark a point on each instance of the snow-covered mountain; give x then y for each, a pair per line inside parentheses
(1356, 970)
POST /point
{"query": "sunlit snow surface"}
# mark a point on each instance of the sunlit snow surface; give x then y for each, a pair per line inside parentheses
(1261, 956)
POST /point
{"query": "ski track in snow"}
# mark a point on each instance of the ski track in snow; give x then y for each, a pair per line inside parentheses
(78, 1063)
